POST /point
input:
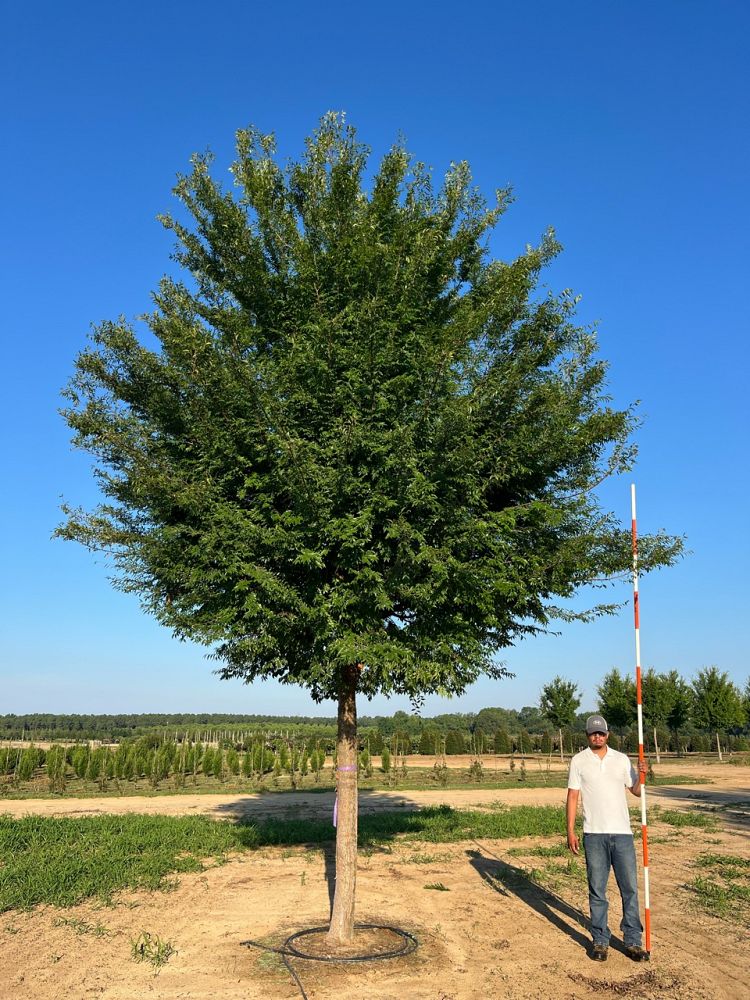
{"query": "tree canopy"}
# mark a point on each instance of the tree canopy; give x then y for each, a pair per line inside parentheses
(617, 701)
(360, 439)
(559, 702)
(718, 702)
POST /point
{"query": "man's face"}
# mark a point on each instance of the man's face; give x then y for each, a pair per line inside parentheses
(597, 740)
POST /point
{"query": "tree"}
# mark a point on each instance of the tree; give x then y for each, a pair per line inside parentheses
(430, 741)
(617, 700)
(681, 708)
(455, 742)
(659, 692)
(362, 456)
(559, 702)
(718, 702)
(502, 741)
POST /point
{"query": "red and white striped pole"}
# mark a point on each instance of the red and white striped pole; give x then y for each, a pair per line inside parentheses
(641, 755)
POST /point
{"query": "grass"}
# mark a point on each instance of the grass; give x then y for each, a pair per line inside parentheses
(151, 948)
(555, 874)
(83, 927)
(63, 861)
(426, 859)
(724, 889)
(554, 851)
(438, 886)
(680, 819)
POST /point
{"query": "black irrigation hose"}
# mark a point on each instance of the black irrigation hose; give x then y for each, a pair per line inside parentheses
(288, 950)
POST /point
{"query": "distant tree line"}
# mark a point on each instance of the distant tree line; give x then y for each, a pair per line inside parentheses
(678, 715)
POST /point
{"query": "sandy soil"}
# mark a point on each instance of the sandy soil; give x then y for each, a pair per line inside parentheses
(494, 933)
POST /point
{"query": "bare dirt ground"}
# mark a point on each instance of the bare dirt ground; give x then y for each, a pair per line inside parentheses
(493, 933)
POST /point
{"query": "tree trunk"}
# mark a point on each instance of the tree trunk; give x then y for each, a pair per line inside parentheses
(718, 747)
(341, 930)
(562, 752)
(656, 747)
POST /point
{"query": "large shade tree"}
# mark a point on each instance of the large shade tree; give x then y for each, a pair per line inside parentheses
(361, 456)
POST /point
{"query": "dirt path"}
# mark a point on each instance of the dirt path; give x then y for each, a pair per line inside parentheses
(492, 932)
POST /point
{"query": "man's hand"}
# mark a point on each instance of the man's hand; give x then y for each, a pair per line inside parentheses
(573, 843)
(641, 779)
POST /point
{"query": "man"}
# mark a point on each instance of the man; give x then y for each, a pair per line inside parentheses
(600, 775)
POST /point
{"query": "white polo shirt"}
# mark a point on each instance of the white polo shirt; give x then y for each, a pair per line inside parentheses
(602, 783)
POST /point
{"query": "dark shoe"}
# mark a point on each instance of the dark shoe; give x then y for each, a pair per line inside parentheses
(637, 954)
(599, 953)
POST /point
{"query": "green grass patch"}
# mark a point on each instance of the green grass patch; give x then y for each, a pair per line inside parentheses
(724, 889)
(680, 819)
(553, 851)
(63, 861)
(677, 779)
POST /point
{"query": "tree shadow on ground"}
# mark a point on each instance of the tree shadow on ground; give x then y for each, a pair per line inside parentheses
(510, 880)
(312, 804)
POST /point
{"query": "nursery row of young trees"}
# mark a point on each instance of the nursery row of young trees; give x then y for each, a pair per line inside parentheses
(140, 759)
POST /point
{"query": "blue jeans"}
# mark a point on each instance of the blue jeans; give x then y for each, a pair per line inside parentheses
(605, 851)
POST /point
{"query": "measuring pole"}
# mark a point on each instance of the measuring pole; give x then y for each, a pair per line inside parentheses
(641, 755)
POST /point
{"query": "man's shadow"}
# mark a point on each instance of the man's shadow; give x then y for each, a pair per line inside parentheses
(509, 880)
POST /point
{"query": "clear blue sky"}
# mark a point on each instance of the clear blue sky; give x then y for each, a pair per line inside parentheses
(623, 125)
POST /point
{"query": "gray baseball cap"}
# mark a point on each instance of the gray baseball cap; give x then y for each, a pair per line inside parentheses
(596, 724)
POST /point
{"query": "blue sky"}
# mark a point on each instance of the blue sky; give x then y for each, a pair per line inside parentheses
(622, 125)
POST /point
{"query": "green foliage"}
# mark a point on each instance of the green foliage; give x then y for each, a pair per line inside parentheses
(365, 763)
(523, 742)
(27, 764)
(476, 771)
(81, 761)
(502, 742)
(718, 702)
(376, 742)
(617, 700)
(385, 760)
(559, 702)
(431, 741)
(455, 742)
(56, 768)
(151, 948)
(440, 773)
(359, 438)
